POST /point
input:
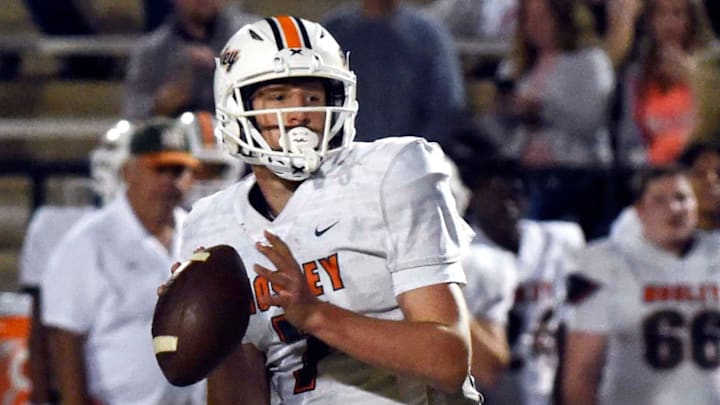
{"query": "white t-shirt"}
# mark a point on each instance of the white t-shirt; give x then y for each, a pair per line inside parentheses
(660, 314)
(101, 282)
(375, 222)
(547, 252)
(47, 225)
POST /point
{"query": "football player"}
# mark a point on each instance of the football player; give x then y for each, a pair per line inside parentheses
(47, 226)
(217, 169)
(516, 278)
(646, 309)
(353, 249)
(702, 159)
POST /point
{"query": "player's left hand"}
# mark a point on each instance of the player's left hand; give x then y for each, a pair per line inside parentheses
(288, 281)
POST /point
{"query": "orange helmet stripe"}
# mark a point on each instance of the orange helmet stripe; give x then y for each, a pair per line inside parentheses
(290, 31)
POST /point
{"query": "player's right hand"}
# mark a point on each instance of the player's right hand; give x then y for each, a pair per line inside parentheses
(288, 280)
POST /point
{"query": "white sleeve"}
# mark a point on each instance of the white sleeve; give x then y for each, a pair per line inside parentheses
(72, 287)
(426, 232)
(490, 288)
(33, 254)
(46, 228)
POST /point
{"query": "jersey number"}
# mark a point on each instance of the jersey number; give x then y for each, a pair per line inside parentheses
(316, 350)
(664, 346)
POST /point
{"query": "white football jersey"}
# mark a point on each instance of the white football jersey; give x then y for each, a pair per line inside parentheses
(46, 228)
(547, 250)
(661, 316)
(491, 279)
(374, 223)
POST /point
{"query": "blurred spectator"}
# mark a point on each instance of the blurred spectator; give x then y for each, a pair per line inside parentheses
(67, 18)
(531, 259)
(644, 307)
(658, 107)
(706, 89)
(552, 111)
(621, 18)
(489, 20)
(99, 290)
(169, 70)
(409, 77)
(47, 226)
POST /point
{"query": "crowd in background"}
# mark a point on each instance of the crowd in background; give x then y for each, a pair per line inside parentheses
(590, 94)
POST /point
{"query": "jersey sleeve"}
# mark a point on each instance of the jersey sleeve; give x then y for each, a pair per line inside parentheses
(72, 286)
(589, 291)
(426, 232)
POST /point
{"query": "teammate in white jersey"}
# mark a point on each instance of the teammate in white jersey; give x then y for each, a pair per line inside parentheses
(646, 310)
(98, 291)
(702, 159)
(517, 266)
(352, 248)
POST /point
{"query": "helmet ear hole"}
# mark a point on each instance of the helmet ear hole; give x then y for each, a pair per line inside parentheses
(335, 92)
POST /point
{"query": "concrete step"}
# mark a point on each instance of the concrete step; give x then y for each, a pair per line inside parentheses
(58, 98)
(15, 205)
(8, 270)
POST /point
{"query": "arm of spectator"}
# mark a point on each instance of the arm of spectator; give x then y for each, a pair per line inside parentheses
(241, 378)
(68, 360)
(149, 92)
(443, 86)
(582, 368)
(622, 16)
(170, 98)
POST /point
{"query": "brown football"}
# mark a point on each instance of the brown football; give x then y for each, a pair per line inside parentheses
(202, 315)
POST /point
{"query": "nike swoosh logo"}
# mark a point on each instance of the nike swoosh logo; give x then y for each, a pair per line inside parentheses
(320, 232)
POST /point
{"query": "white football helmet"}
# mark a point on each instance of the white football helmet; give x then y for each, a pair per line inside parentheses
(218, 169)
(107, 158)
(274, 49)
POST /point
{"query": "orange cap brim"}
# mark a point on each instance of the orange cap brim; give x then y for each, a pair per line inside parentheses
(170, 158)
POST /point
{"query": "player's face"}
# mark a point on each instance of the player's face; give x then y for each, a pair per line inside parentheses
(285, 95)
(705, 179)
(498, 206)
(668, 211)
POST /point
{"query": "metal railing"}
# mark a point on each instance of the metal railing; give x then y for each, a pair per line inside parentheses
(110, 45)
